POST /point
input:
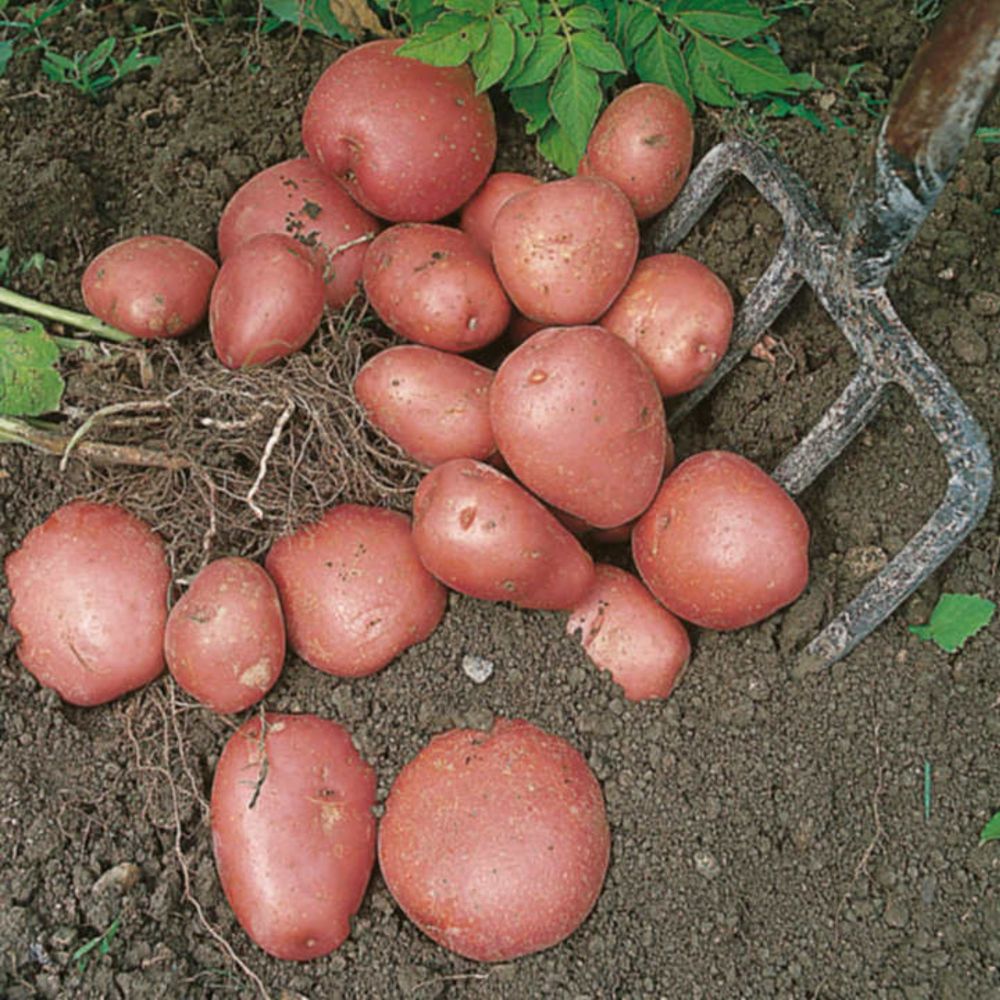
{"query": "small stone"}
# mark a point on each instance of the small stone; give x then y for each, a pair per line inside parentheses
(477, 668)
(120, 878)
(896, 913)
(970, 347)
(706, 865)
(984, 304)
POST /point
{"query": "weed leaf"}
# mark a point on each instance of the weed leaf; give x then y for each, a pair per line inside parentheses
(30, 385)
(956, 618)
(991, 831)
(6, 51)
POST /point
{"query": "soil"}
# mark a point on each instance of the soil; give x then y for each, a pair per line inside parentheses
(772, 835)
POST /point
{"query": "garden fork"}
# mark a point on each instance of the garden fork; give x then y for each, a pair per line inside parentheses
(919, 142)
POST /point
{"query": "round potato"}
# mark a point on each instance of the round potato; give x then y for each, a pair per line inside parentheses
(480, 211)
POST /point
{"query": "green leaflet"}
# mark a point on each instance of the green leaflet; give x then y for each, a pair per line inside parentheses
(575, 99)
(447, 41)
(545, 57)
(749, 70)
(310, 15)
(731, 19)
(533, 103)
(991, 831)
(556, 146)
(493, 60)
(659, 60)
(595, 51)
(30, 385)
(955, 619)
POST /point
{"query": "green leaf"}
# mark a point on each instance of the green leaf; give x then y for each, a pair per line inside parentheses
(780, 108)
(30, 385)
(532, 10)
(585, 16)
(309, 15)
(533, 103)
(524, 45)
(991, 831)
(749, 70)
(6, 51)
(545, 57)
(704, 80)
(731, 19)
(4, 260)
(575, 99)
(640, 23)
(594, 50)
(955, 619)
(447, 41)
(418, 13)
(94, 60)
(557, 147)
(477, 8)
(659, 60)
(493, 60)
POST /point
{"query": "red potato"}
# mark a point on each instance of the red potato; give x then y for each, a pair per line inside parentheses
(150, 286)
(267, 301)
(300, 199)
(578, 418)
(723, 545)
(293, 832)
(520, 328)
(225, 638)
(495, 844)
(482, 534)
(89, 589)
(564, 250)
(354, 593)
(410, 142)
(626, 632)
(678, 316)
(432, 285)
(480, 211)
(433, 404)
(643, 143)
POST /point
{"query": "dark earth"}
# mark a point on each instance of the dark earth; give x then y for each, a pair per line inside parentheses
(771, 836)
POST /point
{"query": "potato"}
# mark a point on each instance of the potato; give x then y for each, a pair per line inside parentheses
(89, 590)
(225, 638)
(300, 199)
(480, 211)
(267, 302)
(293, 832)
(678, 316)
(495, 844)
(643, 143)
(433, 285)
(579, 420)
(354, 593)
(520, 328)
(564, 250)
(626, 632)
(433, 404)
(410, 142)
(723, 545)
(150, 286)
(482, 534)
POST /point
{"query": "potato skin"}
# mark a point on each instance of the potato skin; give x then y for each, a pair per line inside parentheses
(432, 285)
(723, 545)
(89, 589)
(267, 301)
(225, 637)
(409, 142)
(495, 844)
(578, 418)
(150, 286)
(354, 593)
(480, 211)
(678, 316)
(294, 851)
(564, 250)
(303, 201)
(433, 404)
(482, 534)
(626, 632)
(643, 143)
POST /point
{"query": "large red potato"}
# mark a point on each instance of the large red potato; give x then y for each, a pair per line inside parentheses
(354, 593)
(643, 143)
(409, 142)
(495, 844)
(723, 545)
(267, 302)
(564, 250)
(293, 832)
(225, 637)
(678, 316)
(578, 418)
(482, 534)
(626, 632)
(432, 285)
(300, 199)
(150, 286)
(89, 587)
(480, 211)
(433, 404)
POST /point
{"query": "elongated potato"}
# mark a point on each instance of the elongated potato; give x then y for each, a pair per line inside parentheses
(480, 211)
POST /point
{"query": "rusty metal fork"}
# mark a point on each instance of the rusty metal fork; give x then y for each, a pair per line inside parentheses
(918, 145)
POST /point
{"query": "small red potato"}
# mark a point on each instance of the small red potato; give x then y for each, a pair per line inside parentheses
(723, 545)
(410, 142)
(626, 632)
(225, 637)
(89, 589)
(300, 199)
(678, 316)
(643, 143)
(495, 844)
(482, 534)
(578, 418)
(267, 302)
(480, 211)
(520, 328)
(564, 250)
(354, 593)
(150, 286)
(433, 285)
(293, 832)
(433, 404)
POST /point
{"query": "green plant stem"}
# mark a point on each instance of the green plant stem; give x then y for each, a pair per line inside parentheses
(79, 321)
